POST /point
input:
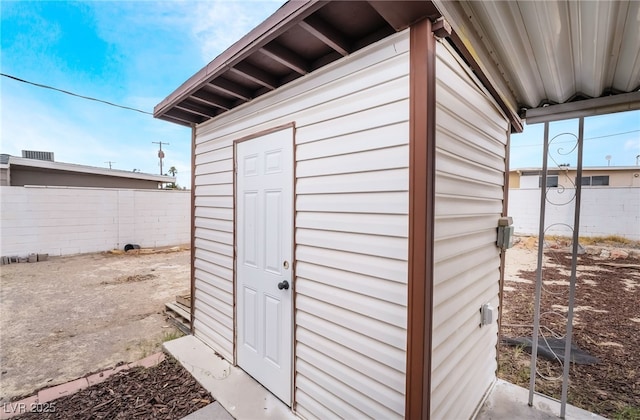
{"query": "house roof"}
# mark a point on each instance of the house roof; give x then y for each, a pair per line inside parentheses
(71, 167)
(528, 54)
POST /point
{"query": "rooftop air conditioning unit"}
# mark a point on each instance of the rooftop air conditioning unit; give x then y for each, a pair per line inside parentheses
(33, 154)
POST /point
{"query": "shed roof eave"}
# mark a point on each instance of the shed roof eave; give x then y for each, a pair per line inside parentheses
(287, 14)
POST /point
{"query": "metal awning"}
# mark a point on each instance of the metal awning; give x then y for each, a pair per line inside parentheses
(540, 53)
(528, 54)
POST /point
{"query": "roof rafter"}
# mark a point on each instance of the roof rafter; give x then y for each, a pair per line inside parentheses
(185, 116)
(211, 99)
(231, 88)
(175, 120)
(255, 74)
(326, 33)
(286, 57)
(197, 109)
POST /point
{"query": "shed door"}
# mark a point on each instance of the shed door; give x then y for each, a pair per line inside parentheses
(264, 214)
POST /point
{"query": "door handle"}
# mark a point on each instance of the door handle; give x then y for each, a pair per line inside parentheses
(283, 285)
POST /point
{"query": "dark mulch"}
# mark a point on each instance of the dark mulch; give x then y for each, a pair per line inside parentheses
(165, 391)
(606, 326)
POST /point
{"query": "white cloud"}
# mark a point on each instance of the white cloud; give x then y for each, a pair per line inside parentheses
(633, 144)
(218, 25)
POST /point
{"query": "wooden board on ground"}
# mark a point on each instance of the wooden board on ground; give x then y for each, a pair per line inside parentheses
(184, 299)
(616, 265)
(179, 316)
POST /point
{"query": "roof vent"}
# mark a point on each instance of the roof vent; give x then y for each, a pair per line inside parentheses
(33, 154)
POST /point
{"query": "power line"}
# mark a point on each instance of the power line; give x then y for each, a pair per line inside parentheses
(74, 94)
(572, 141)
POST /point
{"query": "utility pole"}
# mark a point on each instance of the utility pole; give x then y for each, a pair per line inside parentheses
(110, 162)
(160, 153)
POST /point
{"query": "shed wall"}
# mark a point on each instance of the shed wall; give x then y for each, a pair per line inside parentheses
(471, 136)
(351, 221)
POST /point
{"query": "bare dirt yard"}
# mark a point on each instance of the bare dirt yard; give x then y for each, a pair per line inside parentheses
(69, 316)
(606, 323)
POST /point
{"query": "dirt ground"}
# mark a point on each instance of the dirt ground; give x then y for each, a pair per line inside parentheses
(69, 316)
(606, 324)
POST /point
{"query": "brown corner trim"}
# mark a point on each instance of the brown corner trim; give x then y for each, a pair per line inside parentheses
(422, 147)
(193, 226)
(503, 252)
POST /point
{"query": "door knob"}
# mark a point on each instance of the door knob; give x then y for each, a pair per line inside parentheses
(283, 285)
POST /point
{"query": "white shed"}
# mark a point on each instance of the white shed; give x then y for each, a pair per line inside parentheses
(349, 172)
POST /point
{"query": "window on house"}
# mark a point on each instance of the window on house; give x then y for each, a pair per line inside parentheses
(552, 181)
(600, 180)
(595, 180)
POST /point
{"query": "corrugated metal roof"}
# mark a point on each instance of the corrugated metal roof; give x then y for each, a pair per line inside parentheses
(550, 52)
(528, 53)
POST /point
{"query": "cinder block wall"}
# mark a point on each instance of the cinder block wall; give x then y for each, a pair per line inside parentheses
(68, 220)
(604, 211)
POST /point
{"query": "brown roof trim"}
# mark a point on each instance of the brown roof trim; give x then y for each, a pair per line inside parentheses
(422, 147)
(286, 16)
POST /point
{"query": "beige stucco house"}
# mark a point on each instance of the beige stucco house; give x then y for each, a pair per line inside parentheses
(564, 176)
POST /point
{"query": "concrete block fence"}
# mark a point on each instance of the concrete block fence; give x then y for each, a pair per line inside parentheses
(70, 220)
(604, 211)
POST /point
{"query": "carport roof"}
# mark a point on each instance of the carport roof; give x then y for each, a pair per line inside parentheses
(528, 54)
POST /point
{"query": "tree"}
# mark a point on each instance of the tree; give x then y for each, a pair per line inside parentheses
(173, 171)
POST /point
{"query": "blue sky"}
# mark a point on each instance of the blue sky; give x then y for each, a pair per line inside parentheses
(135, 53)
(615, 135)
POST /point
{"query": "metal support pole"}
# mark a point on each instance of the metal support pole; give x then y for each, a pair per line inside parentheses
(536, 313)
(572, 283)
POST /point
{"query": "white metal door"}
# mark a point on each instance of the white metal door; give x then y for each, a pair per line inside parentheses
(264, 215)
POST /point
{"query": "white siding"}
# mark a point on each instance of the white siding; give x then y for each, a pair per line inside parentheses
(351, 229)
(470, 162)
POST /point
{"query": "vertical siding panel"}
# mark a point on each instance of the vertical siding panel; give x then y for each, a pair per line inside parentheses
(351, 215)
(470, 163)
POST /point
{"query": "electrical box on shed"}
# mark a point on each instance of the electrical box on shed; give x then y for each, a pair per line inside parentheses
(505, 233)
(486, 314)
